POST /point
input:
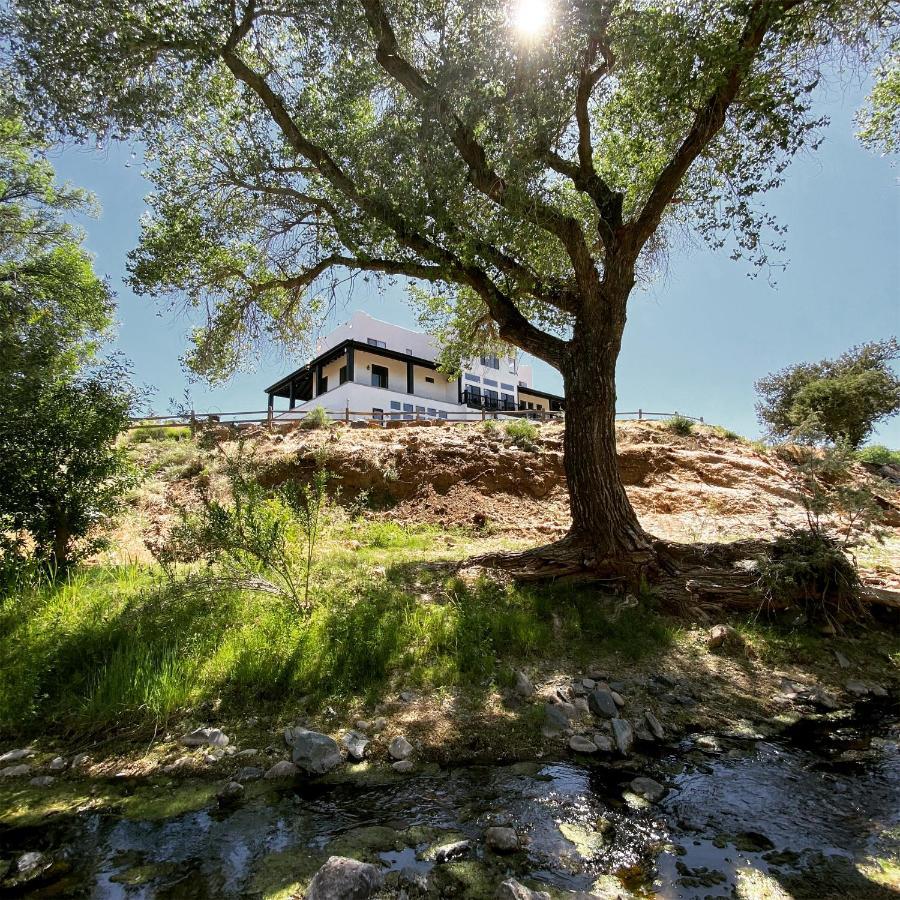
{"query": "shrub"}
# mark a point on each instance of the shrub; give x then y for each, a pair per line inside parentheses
(839, 400)
(726, 433)
(490, 427)
(681, 425)
(878, 455)
(522, 433)
(315, 418)
(810, 569)
(145, 433)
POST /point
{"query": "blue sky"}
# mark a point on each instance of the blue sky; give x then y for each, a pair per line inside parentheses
(695, 341)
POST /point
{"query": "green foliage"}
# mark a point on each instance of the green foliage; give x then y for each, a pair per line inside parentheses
(522, 433)
(143, 434)
(117, 648)
(878, 455)
(490, 427)
(317, 417)
(839, 400)
(257, 540)
(680, 425)
(809, 569)
(879, 120)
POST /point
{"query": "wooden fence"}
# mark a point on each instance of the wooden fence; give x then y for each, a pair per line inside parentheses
(271, 418)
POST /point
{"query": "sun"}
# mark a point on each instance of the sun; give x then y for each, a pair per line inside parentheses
(530, 18)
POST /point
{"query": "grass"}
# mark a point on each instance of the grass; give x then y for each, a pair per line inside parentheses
(147, 433)
(680, 425)
(522, 433)
(120, 648)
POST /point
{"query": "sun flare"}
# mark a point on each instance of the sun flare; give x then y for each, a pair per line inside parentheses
(530, 18)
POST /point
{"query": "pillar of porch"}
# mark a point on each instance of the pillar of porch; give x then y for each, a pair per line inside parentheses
(410, 379)
(350, 364)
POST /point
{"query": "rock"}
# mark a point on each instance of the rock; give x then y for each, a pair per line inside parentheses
(623, 735)
(30, 863)
(723, 636)
(400, 747)
(581, 704)
(231, 793)
(524, 686)
(402, 766)
(183, 762)
(618, 699)
(210, 758)
(559, 715)
(643, 734)
(451, 851)
(842, 660)
(708, 743)
(250, 773)
(344, 879)
(57, 764)
(361, 725)
(80, 760)
(588, 683)
(205, 737)
(876, 690)
(42, 780)
(379, 725)
(243, 754)
(355, 744)
(603, 743)
(407, 696)
(857, 688)
(581, 744)
(515, 890)
(501, 839)
(602, 703)
(15, 771)
(282, 769)
(314, 752)
(654, 725)
(12, 756)
(648, 789)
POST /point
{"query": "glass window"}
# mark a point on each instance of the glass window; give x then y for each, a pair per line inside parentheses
(395, 404)
(378, 414)
(429, 380)
(490, 361)
(323, 385)
(420, 409)
(490, 393)
(407, 407)
(432, 412)
(512, 367)
(474, 378)
(373, 343)
(490, 381)
(506, 387)
(442, 414)
(507, 398)
(474, 391)
(379, 376)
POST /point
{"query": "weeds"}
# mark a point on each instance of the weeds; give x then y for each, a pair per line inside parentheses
(522, 433)
(315, 418)
(680, 425)
(146, 433)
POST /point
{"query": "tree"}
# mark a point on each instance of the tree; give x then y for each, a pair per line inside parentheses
(838, 400)
(61, 475)
(528, 176)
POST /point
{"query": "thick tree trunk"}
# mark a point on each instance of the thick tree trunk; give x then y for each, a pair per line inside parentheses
(604, 525)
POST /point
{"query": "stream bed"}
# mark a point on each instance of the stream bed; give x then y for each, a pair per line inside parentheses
(814, 813)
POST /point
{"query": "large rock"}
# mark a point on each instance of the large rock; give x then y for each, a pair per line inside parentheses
(314, 752)
(451, 851)
(400, 748)
(15, 771)
(623, 735)
(355, 743)
(524, 685)
(12, 756)
(559, 716)
(282, 769)
(648, 789)
(501, 839)
(654, 725)
(581, 744)
(57, 764)
(515, 890)
(602, 703)
(344, 879)
(723, 636)
(205, 737)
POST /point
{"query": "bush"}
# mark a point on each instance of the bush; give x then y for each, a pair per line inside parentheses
(315, 418)
(522, 433)
(838, 401)
(490, 427)
(811, 570)
(145, 433)
(878, 455)
(680, 425)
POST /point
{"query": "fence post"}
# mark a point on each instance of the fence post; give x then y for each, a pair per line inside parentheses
(640, 415)
(482, 413)
(270, 416)
(701, 420)
(347, 414)
(193, 423)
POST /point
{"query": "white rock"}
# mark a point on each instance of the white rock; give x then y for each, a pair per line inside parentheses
(42, 780)
(648, 789)
(400, 747)
(80, 761)
(57, 764)
(15, 771)
(205, 737)
(402, 766)
(282, 769)
(581, 744)
(12, 756)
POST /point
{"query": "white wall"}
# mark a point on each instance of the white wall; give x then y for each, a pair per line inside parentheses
(362, 326)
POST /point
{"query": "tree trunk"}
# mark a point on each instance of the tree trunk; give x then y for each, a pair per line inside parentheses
(604, 525)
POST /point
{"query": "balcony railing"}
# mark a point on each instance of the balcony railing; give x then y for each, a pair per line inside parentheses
(495, 404)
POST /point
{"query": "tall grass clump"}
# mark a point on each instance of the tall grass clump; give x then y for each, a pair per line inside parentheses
(680, 425)
(317, 417)
(144, 434)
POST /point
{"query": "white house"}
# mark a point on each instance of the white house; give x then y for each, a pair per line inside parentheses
(379, 370)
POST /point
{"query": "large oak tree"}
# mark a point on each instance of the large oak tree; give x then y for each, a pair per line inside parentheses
(530, 176)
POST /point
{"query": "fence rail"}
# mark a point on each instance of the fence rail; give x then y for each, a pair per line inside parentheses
(271, 418)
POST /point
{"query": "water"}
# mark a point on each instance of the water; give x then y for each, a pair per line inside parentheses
(756, 819)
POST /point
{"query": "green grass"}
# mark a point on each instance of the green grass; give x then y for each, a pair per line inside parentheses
(148, 433)
(120, 648)
(522, 433)
(878, 455)
(680, 425)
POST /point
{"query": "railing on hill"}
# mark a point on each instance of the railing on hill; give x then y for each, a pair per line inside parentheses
(271, 418)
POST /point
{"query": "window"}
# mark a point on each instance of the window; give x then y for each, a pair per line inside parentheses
(432, 412)
(442, 414)
(474, 378)
(342, 375)
(512, 367)
(407, 409)
(490, 381)
(323, 385)
(531, 406)
(540, 406)
(377, 414)
(429, 380)
(490, 394)
(507, 400)
(409, 352)
(373, 343)
(379, 376)
(490, 361)
(395, 404)
(474, 391)
(506, 387)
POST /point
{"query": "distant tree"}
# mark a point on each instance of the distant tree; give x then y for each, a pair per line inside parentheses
(527, 161)
(61, 410)
(837, 400)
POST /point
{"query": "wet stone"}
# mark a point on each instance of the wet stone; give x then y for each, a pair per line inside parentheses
(355, 744)
(282, 769)
(452, 851)
(581, 744)
(501, 839)
(623, 735)
(15, 771)
(648, 788)
(602, 703)
(515, 890)
(344, 879)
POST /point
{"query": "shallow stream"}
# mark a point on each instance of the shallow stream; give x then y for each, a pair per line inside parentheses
(815, 813)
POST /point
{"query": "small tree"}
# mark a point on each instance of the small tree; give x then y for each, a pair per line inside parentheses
(836, 400)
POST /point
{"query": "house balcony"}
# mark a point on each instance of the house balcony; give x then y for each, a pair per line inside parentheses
(491, 404)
